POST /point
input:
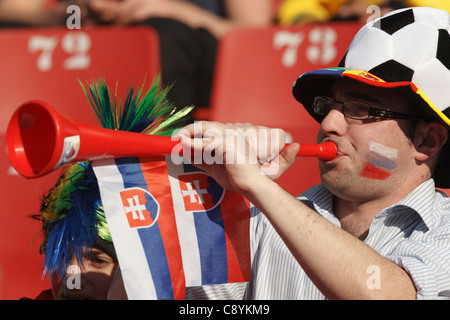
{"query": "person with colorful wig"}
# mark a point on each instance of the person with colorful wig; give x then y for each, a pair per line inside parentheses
(79, 254)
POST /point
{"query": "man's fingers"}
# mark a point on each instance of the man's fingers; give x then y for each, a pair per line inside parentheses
(265, 143)
(289, 154)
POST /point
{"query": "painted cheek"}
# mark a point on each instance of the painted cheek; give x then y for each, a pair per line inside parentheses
(380, 162)
(372, 172)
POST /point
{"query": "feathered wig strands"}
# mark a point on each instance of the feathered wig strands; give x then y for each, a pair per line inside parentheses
(150, 113)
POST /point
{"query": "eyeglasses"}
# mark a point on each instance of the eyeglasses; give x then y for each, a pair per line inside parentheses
(355, 109)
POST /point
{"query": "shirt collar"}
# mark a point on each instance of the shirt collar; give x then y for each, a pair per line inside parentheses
(320, 199)
(421, 200)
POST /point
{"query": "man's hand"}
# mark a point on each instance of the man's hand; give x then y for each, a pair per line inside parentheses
(237, 155)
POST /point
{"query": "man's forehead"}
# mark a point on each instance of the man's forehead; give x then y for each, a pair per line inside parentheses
(350, 89)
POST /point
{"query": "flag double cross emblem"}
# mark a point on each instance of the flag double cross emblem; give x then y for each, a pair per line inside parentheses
(135, 208)
(195, 193)
(140, 207)
(200, 192)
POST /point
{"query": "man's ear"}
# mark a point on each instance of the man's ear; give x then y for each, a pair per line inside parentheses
(428, 140)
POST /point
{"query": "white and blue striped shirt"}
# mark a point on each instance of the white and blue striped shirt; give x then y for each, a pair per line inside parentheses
(414, 233)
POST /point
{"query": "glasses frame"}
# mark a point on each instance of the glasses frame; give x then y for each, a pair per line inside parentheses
(371, 111)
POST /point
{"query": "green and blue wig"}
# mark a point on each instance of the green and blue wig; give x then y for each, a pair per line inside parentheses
(73, 219)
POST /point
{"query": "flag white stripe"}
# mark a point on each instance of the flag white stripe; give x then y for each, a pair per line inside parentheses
(187, 234)
(131, 256)
(387, 152)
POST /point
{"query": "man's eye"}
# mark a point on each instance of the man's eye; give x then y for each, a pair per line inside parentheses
(99, 260)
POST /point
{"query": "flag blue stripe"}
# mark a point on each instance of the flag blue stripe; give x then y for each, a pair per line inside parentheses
(131, 171)
(212, 246)
(210, 239)
(380, 161)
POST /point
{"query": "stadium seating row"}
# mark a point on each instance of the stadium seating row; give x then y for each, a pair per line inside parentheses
(252, 83)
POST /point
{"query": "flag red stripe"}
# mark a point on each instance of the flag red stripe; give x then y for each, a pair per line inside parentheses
(156, 176)
(236, 220)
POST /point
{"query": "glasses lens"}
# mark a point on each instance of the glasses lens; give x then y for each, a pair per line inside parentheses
(356, 110)
(322, 105)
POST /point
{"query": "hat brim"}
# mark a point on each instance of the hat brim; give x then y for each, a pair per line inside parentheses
(319, 83)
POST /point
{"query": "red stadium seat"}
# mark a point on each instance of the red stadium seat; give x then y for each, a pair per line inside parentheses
(45, 64)
(2, 282)
(254, 75)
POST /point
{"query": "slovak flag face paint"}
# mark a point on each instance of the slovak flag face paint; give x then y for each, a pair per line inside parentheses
(173, 227)
(380, 162)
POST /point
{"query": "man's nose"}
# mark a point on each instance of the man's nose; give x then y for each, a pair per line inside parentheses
(334, 123)
(75, 278)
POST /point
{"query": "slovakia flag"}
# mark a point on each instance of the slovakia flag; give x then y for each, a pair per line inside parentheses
(173, 227)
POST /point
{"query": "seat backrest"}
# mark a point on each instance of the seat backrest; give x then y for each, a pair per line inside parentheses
(253, 82)
(2, 282)
(46, 64)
